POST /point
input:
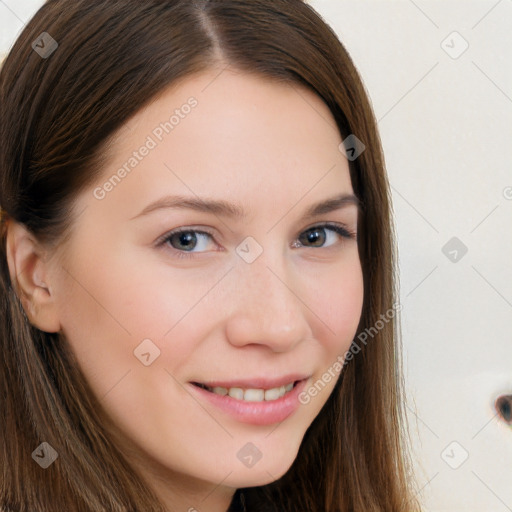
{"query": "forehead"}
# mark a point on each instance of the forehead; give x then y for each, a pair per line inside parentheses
(231, 111)
(231, 135)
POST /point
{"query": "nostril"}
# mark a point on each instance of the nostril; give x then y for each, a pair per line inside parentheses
(503, 405)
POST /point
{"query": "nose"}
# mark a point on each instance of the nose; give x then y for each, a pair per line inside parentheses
(268, 307)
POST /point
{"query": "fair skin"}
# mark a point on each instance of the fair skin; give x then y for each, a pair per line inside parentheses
(272, 149)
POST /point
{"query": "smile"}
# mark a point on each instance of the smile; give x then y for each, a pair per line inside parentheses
(254, 401)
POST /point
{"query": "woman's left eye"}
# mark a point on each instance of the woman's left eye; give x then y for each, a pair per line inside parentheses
(314, 234)
(184, 240)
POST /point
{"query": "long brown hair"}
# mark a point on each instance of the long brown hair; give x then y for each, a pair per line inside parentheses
(58, 115)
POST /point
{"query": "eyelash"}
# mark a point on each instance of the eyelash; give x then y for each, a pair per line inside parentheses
(339, 229)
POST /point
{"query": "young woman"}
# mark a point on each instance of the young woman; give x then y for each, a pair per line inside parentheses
(197, 266)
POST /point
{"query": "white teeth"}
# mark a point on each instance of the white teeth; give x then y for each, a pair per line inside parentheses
(252, 395)
(275, 393)
(237, 393)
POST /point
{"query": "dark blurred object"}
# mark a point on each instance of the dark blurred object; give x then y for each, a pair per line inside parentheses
(503, 405)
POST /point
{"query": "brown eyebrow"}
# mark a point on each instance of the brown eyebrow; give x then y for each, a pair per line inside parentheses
(236, 211)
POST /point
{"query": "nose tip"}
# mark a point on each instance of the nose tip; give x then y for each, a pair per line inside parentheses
(271, 314)
(279, 335)
(503, 406)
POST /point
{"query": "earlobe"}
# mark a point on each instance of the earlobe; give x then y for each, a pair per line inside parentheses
(29, 277)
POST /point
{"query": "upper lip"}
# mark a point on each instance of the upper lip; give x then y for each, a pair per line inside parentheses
(254, 383)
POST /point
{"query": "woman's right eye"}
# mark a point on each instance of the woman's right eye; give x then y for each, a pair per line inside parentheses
(183, 240)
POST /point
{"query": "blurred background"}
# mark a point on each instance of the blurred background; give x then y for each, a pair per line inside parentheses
(440, 81)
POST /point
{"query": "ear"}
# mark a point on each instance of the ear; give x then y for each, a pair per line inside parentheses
(30, 277)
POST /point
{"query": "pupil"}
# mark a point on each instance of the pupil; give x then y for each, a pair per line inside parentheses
(315, 236)
(185, 238)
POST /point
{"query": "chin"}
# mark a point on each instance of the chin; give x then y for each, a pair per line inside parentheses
(258, 475)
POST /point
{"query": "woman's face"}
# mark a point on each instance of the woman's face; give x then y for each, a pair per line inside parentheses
(253, 302)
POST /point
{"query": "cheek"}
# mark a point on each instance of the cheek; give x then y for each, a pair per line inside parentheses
(339, 307)
(107, 309)
(336, 296)
(123, 296)
(110, 306)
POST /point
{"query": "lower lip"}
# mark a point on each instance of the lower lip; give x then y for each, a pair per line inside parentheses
(256, 413)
